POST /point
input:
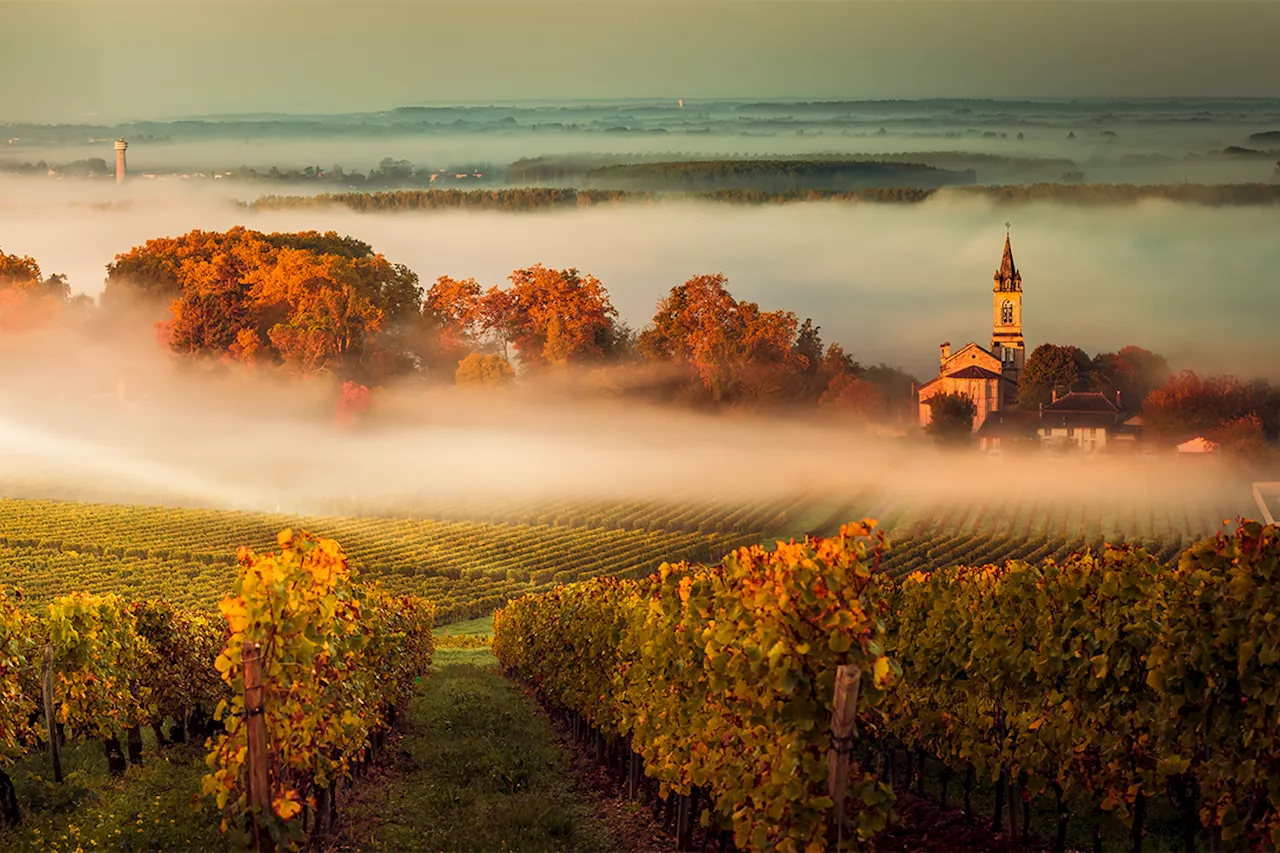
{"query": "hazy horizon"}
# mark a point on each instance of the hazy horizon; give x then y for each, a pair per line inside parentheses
(140, 59)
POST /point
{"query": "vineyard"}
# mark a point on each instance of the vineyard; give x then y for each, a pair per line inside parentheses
(186, 556)
(1107, 683)
(470, 556)
(294, 685)
(1105, 680)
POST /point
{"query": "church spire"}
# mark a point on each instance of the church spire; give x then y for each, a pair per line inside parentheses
(1007, 278)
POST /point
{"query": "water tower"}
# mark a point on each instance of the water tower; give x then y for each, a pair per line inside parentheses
(121, 145)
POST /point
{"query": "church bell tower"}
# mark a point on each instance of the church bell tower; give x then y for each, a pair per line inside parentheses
(1007, 343)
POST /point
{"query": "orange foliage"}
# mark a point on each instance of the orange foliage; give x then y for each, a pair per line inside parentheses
(558, 316)
(27, 299)
(849, 394)
(312, 302)
(732, 347)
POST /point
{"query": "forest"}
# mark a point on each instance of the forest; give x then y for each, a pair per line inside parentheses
(773, 175)
(530, 199)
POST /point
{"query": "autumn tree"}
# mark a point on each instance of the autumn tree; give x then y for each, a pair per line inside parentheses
(309, 301)
(1052, 368)
(951, 417)
(354, 401)
(555, 317)
(1191, 404)
(484, 370)
(850, 395)
(454, 305)
(28, 300)
(732, 348)
(897, 389)
(1241, 437)
(1133, 373)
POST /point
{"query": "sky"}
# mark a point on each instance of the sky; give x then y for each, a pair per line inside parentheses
(117, 60)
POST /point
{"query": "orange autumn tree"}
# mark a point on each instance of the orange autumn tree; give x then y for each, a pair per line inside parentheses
(551, 317)
(556, 317)
(732, 349)
(28, 300)
(450, 326)
(308, 301)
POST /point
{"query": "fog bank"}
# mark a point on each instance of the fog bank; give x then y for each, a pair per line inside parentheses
(889, 282)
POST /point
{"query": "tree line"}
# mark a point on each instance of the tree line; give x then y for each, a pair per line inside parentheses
(539, 198)
(313, 303)
(1241, 416)
(773, 175)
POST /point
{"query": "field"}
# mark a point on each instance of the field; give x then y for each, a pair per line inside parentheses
(186, 556)
(471, 556)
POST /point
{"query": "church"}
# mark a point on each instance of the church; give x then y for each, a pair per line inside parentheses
(987, 376)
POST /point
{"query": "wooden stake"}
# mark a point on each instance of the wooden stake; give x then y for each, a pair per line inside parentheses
(46, 687)
(259, 781)
(843, 732)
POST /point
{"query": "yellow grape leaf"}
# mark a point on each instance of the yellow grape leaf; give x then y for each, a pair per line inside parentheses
(285, 807)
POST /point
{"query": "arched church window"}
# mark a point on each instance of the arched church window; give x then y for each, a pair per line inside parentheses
(1006, 312)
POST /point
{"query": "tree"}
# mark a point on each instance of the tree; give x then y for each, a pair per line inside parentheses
(315, 308)
(455, 306)
(1241, 437)
(1132, 372)
(897, 389)
(309, 301)
(951, 417)
(485, 371)
(557, 317)
(353, 401)
(28, 300)
(1053, 368)
(850, 395)
(808, 346)
(1191, 404)
(733, 349)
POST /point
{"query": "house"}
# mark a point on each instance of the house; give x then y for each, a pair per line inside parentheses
(1080, 420)
(1006, 430)
(988, 376)
(1083, 421)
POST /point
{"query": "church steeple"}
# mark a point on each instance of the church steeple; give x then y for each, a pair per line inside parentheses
(1008, 279)
(1007, 343)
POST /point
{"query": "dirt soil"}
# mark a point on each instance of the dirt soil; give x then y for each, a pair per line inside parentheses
(928, 829)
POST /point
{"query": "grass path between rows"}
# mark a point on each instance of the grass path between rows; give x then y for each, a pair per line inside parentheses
(476, 768)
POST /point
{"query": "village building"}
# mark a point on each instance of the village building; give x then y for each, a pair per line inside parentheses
(987, 376)
(1079, 421)
(1082, 421)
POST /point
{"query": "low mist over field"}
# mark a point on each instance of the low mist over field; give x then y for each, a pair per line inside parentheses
(113, 421)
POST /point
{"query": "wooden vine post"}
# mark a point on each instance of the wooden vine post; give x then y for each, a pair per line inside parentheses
(46, 688)
(259, 781)
(843, 734)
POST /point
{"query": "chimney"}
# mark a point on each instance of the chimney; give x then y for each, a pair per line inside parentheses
(1055, 395)
(944, 352)
(1117, 398)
